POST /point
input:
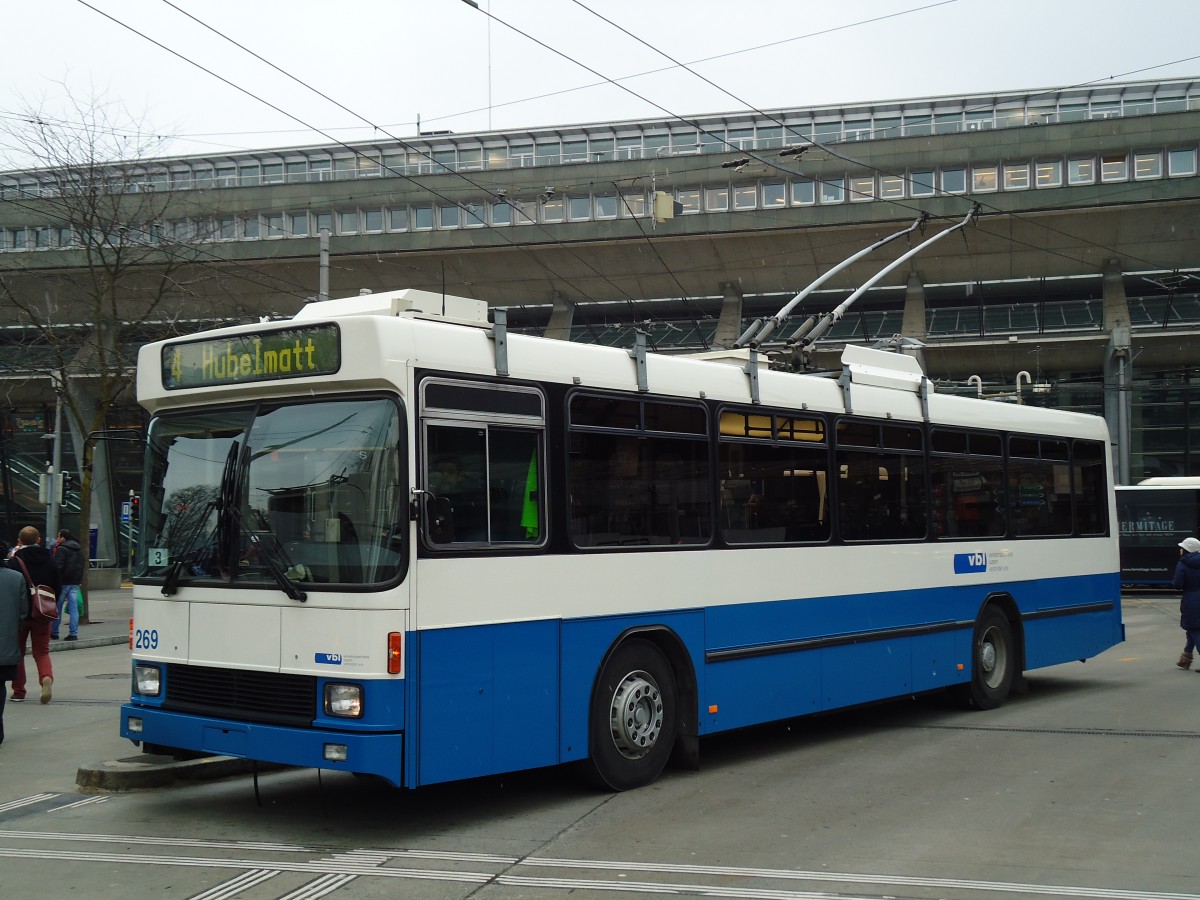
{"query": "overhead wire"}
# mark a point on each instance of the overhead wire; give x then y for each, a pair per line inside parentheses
(718, 138)
(194, 136)
(844, 157)
(378, 128)
(485, 190)
(801, 37)
(448, 200)
(375, 126)
(667, 269)
(398, 140)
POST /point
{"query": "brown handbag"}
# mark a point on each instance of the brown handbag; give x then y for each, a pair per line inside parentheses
(43, 604)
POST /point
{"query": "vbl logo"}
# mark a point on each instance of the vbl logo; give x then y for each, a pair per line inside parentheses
(970, 562)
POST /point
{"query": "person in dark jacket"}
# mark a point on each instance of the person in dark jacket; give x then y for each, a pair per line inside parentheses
(40, 563)
(1187, 579)
(14, 607)
(68, 558)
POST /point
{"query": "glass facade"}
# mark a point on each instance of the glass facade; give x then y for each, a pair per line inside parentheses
(716, 196)
(1166, 440)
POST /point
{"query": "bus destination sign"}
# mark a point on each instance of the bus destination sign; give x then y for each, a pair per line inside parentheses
(259, 356)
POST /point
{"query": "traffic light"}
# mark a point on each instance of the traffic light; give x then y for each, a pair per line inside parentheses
(135, 507)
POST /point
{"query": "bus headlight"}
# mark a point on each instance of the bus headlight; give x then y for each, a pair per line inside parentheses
(147, 680)
(344, 700)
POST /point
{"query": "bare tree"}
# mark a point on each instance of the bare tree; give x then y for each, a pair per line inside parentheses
(122, 245)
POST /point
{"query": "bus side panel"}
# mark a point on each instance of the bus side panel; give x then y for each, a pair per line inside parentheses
(822, 667)
(1052, 641)
(936, 658)
(488, 700)
(1052, 638)
(859, 673)
(793, 657)
(760, 689)
(585, 644)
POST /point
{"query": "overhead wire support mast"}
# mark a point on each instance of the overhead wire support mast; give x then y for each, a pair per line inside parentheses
(761, 329)
(810, 330)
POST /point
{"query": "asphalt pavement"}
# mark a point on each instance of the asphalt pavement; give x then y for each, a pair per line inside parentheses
(87, 679)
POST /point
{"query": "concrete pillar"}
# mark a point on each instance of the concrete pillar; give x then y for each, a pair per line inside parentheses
(729, 325)
(561, 317)
(913, 323)
(1116, 305)
(1118, 370)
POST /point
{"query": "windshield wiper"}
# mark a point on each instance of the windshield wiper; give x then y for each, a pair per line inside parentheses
(268, 558)
(171, 579)
(186, 555)
(285, 584)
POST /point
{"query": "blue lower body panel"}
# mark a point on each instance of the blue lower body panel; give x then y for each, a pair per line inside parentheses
(374, 753)
(489, 700)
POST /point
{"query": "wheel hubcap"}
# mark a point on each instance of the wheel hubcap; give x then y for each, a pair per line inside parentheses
(636, 716)
(987, 657)
(993, 658)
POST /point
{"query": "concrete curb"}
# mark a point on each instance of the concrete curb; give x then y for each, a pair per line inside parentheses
(147, 771)
(85, 643)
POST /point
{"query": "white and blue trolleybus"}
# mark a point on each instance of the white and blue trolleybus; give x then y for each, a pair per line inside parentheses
(390, 537)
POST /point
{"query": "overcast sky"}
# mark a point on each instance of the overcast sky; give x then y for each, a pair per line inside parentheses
(392, 63)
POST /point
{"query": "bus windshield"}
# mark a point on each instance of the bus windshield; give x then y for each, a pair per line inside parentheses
(308, 494)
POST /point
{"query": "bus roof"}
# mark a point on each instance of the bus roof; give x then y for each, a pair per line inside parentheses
(380, 333)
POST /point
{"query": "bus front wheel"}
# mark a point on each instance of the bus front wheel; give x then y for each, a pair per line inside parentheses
(993, 662)
(633, 717)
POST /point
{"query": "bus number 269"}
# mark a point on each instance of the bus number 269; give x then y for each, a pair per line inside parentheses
(145, 639)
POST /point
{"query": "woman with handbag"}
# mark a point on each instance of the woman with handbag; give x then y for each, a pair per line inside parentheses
(14, 605)
(35, 563)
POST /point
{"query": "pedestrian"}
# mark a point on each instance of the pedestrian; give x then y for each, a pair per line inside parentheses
(40, 564)
(1187, 579)
(68, 559)
(14, 607)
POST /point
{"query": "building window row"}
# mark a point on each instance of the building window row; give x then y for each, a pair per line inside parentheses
(585, 206)
(632, 141)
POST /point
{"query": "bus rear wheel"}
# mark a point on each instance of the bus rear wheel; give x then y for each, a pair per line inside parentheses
(993, 662)
(633, 717)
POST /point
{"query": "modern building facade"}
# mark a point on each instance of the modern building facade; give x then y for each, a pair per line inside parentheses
(1077, 285)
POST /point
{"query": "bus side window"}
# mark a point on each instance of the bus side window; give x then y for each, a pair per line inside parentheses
(485, 486)
(457, 475)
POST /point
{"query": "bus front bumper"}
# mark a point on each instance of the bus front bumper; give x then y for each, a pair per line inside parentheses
(367, 753)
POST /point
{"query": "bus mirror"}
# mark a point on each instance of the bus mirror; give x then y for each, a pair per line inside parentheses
(441, 520)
